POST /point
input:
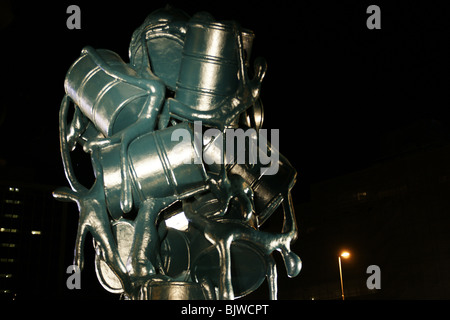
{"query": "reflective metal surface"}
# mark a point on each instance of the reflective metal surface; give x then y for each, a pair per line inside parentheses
(157, 166)
(162, 33)
(171, 216)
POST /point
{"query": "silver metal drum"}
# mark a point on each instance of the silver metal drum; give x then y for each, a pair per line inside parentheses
(158, 166)
(209, 65)
(173, 290)
(163, 34)
(110, 103)
(248, 264)
(175, 256)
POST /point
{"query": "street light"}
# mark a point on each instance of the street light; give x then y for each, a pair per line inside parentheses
(345, 255)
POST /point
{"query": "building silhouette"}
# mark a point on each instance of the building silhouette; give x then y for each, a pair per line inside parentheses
(394, 213)
(32, 241)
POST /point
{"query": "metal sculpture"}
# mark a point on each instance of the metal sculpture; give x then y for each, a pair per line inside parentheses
(185, 76)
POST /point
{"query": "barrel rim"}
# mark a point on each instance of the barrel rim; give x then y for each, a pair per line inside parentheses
(224, 25)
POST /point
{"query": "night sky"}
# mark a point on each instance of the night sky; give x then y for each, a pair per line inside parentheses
(333, 87)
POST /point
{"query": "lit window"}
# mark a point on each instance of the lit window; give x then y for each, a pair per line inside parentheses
(13, 201)
(8, 230)
(35, 232)
(361, 195)
(8, 245)
(11, 216)
(178, 221)
(6, 275)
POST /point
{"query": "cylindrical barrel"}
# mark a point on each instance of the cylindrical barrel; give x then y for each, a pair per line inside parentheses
(160, 165)
(268, 189)
(174, 255)
(173, 290)
(163, 33)
(248, 264)
(209, 66)
(110, 103)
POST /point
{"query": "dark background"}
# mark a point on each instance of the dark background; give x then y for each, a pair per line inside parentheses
(333, 88)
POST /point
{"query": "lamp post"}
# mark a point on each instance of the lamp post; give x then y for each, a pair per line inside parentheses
(345, 255)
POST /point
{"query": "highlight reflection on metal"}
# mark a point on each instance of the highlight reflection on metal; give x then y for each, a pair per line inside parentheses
(165, 224)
